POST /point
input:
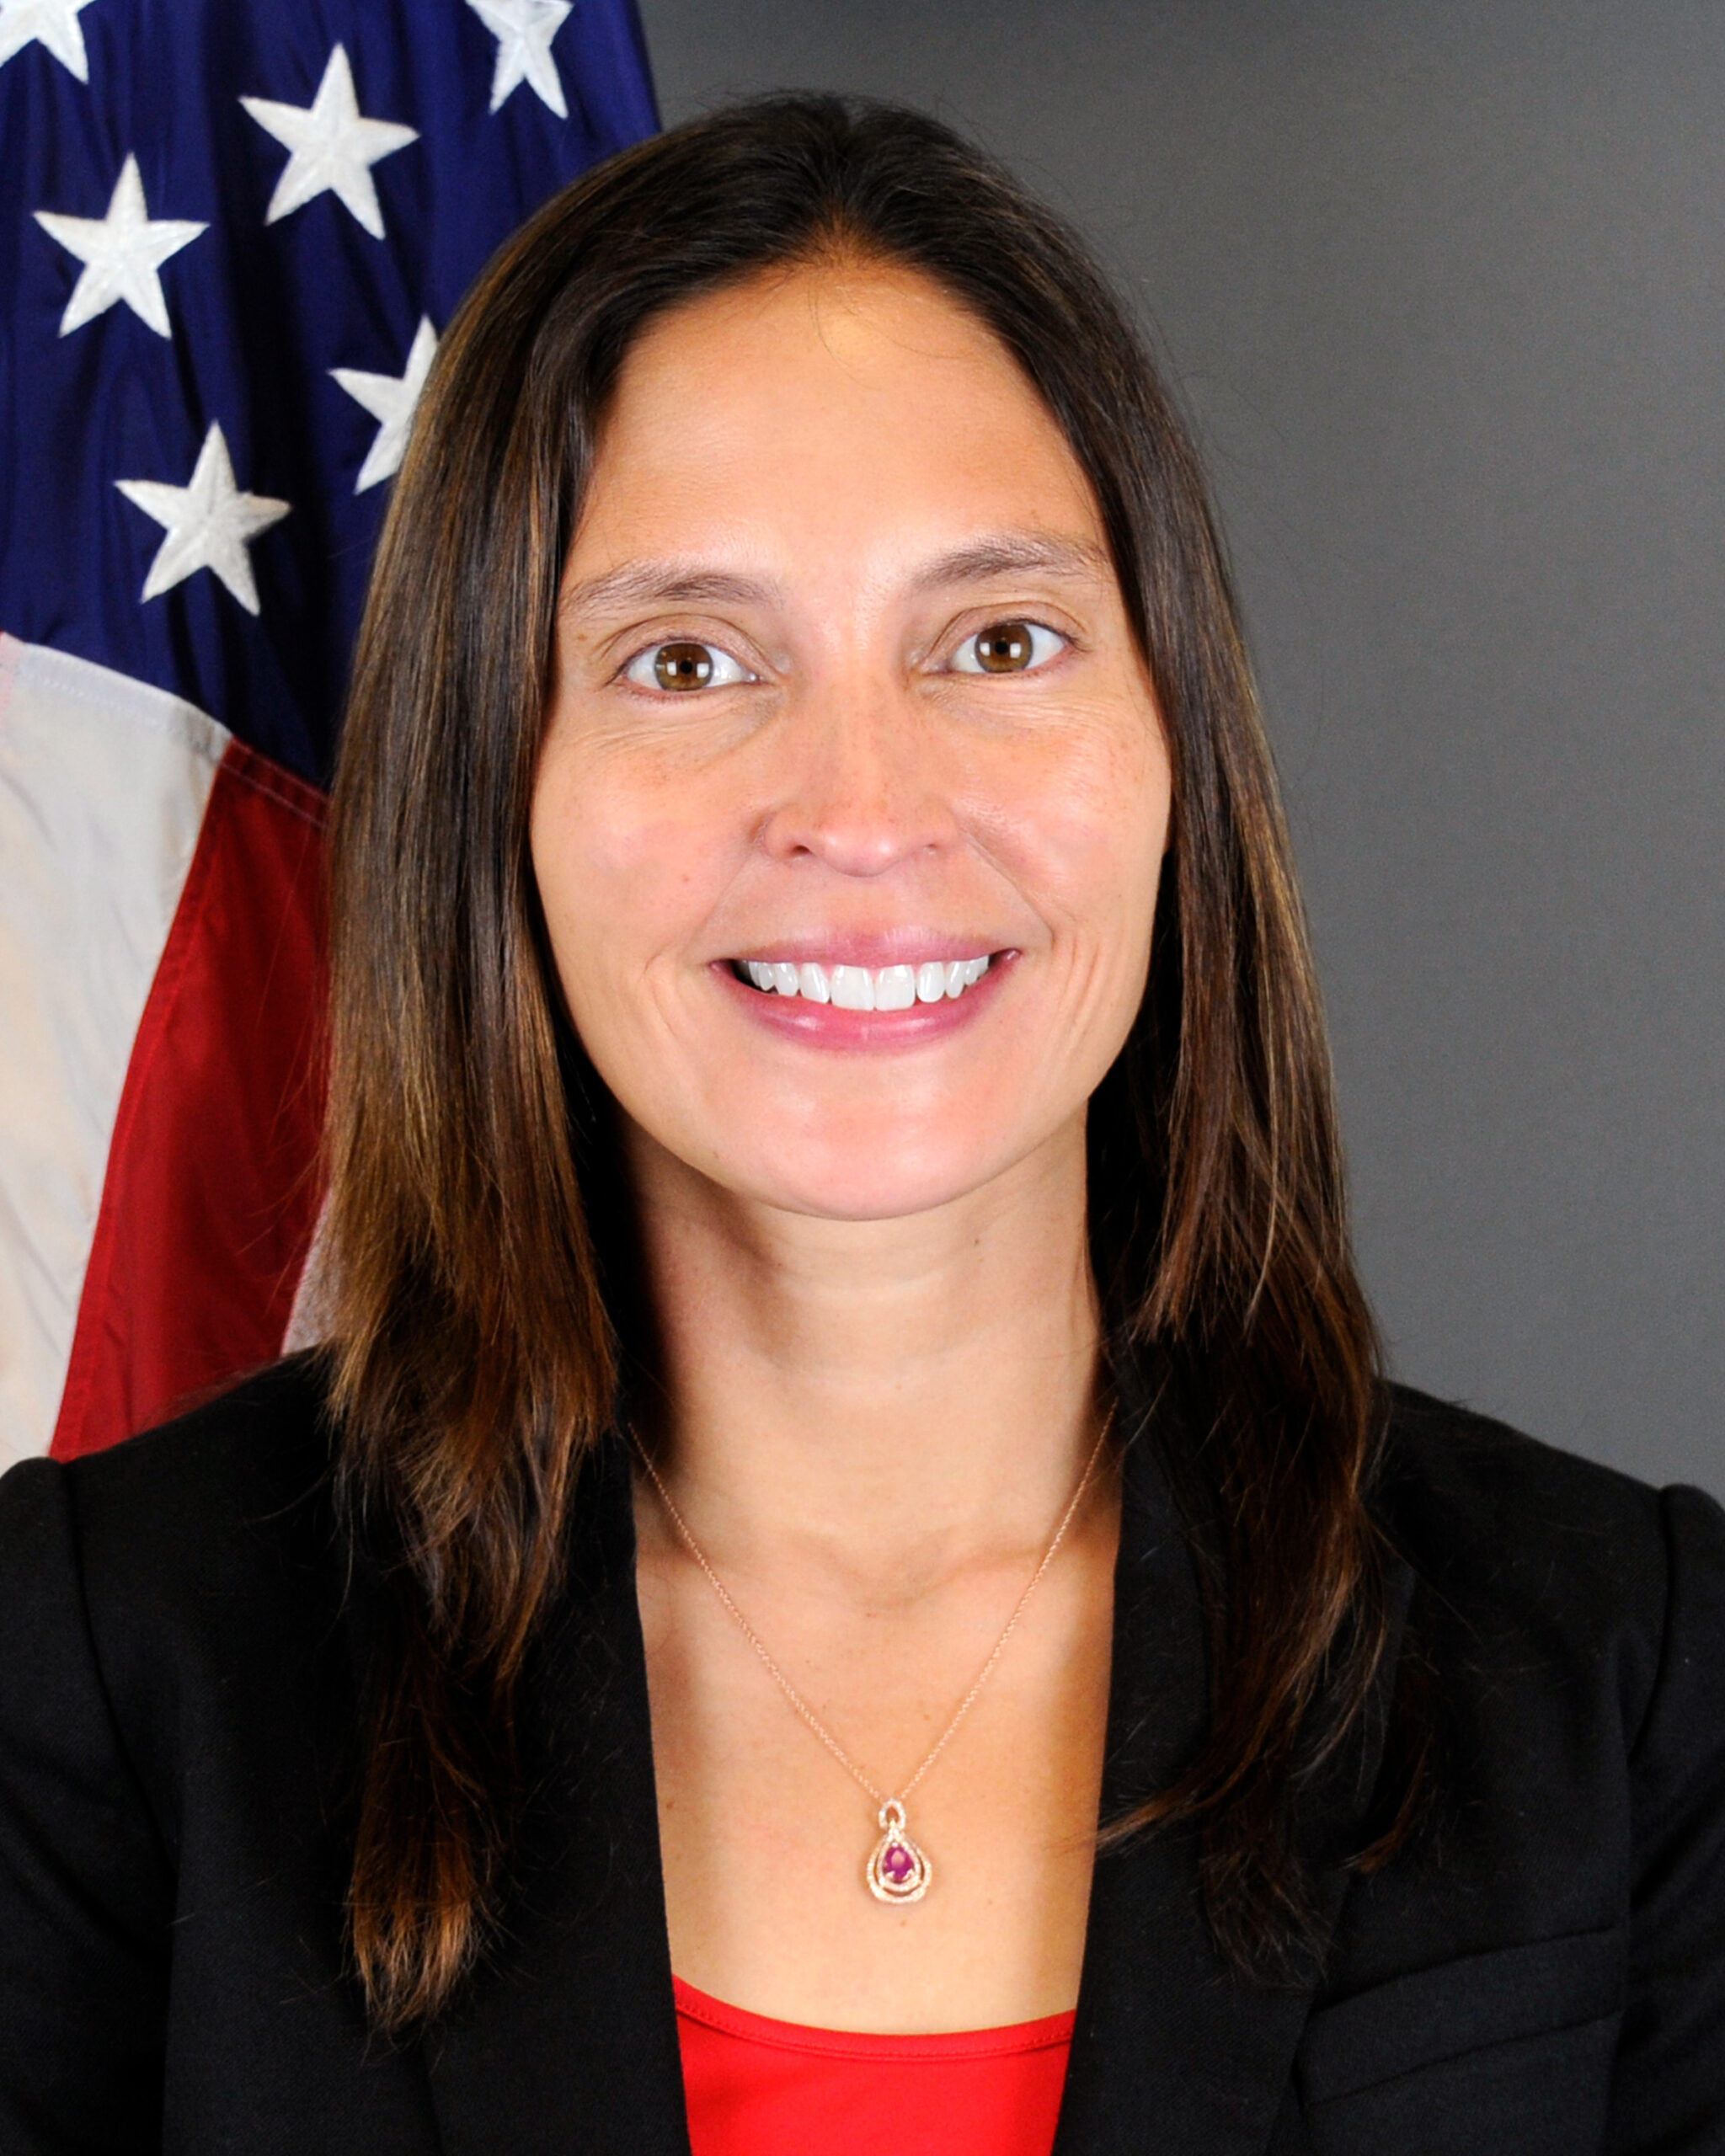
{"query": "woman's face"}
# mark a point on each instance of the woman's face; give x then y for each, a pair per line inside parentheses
(854, 793)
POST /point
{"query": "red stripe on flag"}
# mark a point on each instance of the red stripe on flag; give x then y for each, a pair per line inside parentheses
(211, 1193)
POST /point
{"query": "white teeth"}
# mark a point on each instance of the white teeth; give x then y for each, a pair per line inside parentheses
(852, 988)
(855, 988)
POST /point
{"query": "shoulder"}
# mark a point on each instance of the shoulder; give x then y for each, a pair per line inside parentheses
(159, 1591)
(237, 1482)
(1561, 1601)
(1481, 1511)
(178, 1684)
(1567, 1624)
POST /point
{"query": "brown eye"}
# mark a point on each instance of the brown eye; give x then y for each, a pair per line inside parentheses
(682, 665)
(1007, 648)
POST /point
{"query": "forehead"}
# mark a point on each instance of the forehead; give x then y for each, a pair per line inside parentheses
(840, 410)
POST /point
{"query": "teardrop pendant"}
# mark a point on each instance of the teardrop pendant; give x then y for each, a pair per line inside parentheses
(897, 1870)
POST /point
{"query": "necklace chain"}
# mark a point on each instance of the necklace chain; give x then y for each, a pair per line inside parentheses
(801, 1706)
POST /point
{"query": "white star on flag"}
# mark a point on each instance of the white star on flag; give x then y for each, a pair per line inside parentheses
(391, 398)
(121, 253)
(524, 30)
(50, 22)
(210, 524)
(334, 148)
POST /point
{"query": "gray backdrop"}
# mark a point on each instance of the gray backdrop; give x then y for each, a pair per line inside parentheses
(1442, 287)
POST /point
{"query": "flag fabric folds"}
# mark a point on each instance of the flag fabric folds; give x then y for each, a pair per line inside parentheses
(231, 232)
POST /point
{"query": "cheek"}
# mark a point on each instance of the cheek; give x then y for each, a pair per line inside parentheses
(623, 847)
(1086, 825)
(623, 873)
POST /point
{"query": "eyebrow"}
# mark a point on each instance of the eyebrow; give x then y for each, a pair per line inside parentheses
(665, 584)
(1008, 553)
(686, 583)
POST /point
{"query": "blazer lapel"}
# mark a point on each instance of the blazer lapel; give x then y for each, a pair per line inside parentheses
(569, 2042)
(1172, 2052)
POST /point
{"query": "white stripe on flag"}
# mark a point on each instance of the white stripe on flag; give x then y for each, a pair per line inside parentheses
(103, 783)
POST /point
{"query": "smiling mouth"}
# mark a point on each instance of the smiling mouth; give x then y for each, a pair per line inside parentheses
(863, 988)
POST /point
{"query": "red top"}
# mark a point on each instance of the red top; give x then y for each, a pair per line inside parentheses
(760, 2088)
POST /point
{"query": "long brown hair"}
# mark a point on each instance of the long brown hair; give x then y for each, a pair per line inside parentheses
(476, 1342)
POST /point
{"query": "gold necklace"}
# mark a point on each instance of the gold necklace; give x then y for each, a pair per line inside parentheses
(898, 1869)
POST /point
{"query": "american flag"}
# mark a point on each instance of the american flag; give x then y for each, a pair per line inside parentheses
(230, 231)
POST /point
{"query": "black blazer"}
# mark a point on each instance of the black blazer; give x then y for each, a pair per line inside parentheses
(182, 1635)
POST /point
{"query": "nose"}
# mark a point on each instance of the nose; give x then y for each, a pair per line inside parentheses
(858, 780)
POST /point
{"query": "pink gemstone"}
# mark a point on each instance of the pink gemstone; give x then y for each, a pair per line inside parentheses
(897, 1864)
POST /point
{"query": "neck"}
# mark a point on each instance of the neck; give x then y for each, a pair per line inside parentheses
(879, 1401)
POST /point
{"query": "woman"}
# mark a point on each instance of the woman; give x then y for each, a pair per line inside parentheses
(844, 1367)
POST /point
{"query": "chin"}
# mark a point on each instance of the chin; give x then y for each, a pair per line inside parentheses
(882, 1182)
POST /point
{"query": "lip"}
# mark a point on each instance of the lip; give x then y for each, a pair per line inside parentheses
(824, 1025)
